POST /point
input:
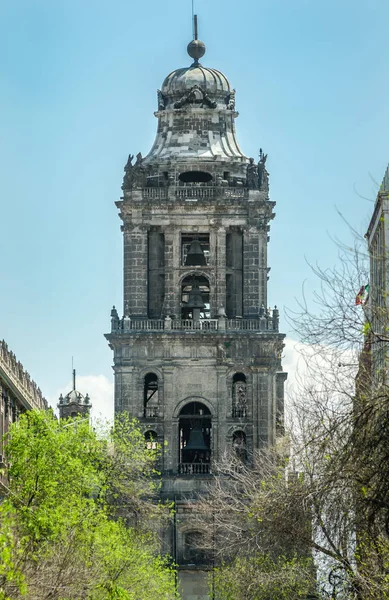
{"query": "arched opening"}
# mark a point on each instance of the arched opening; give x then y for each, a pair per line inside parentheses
(195, 297)
(239, 395)
(150, 395)
(195, 430)
(239, 445)
(195, 548)
(195, 177)
(151, 440)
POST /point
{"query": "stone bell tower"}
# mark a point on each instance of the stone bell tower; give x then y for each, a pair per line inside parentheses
(197, 354)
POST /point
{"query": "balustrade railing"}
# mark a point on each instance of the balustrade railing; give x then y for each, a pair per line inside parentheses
(194, 468)
(266, 323)
(29, 393)
(151, 412)
(192, 192)
(189, 324)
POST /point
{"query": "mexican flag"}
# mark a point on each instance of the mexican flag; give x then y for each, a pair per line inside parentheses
(363, 295)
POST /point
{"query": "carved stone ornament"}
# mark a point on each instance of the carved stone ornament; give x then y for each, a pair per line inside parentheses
(231, 100)
(196, 95)
(252, 175)
(263, 175)
(134, 175)
(161, 100)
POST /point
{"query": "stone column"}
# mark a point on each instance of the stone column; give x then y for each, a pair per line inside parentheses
(220, 272)
(135, 271)
(251, 298)
(170, 302)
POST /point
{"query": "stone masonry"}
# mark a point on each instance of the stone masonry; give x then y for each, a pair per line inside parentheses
(197, 353)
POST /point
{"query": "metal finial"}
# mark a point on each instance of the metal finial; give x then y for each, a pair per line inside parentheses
(74, 379)
(196, 48)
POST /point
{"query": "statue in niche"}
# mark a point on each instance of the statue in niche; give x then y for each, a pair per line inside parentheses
(231, 100)
(263, 175)
(252, 175)
(161, 100)
(240, 399)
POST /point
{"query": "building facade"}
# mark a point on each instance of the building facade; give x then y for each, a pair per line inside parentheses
(18, 393)
(197, 353)
(74, 404)
(377, 307)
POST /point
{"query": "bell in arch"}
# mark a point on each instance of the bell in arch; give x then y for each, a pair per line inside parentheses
(195, 302)
(195, 256)
(195, 299)
(196, 440)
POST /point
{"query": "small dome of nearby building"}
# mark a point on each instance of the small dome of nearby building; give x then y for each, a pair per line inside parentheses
(73, 403)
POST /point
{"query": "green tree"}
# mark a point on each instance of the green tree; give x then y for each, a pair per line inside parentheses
(79, 519)
(260, 577)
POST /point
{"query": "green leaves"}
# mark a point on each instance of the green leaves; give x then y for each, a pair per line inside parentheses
(68, 527)
(261, 577)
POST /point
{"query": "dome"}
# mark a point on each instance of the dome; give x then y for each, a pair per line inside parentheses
(74, 397)
(183, 80)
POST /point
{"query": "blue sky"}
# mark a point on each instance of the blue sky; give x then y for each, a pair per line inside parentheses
(77, 95)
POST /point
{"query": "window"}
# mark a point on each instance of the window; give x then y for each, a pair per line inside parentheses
(195, 177)
(150, 396)
(195, 297)
(195, 427)
(239, 395)
(151, 440)
(239, 445)
(188, 243)
(195, 551)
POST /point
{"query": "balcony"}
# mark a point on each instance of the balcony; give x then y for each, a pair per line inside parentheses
(189, 193)
(267, 323)
(194, 468)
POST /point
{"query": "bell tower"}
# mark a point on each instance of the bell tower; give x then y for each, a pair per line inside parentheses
(197, 353)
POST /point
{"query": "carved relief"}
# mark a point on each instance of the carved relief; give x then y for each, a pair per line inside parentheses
(161, 100)
(134, 175)
(239, 399)
(231, 100)
(196, 95)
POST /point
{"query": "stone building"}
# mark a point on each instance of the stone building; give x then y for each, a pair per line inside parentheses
(74, 404)
(377, 305)
(197, 353)
(18, 393)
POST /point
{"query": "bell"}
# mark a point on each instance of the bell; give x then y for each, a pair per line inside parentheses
(196, 440)
(195, 255)
(195, 299)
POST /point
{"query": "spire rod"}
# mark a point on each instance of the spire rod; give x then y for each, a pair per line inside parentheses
(74, 379)
(195, 31)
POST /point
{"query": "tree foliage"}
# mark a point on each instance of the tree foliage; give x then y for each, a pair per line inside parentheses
(78, 520)
(327, 496)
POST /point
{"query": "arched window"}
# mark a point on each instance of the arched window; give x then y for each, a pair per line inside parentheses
(239, 395)
(150, 395)
(151, 440)
(195, 427)
(239, 445)
(195, 297)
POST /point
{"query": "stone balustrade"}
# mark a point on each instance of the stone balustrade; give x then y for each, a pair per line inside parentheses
(266, 323)
(187, 193)
(25, 388)
(194, 468)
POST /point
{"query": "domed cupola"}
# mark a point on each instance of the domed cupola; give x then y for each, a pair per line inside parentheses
(74, 404)
(196, 140)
